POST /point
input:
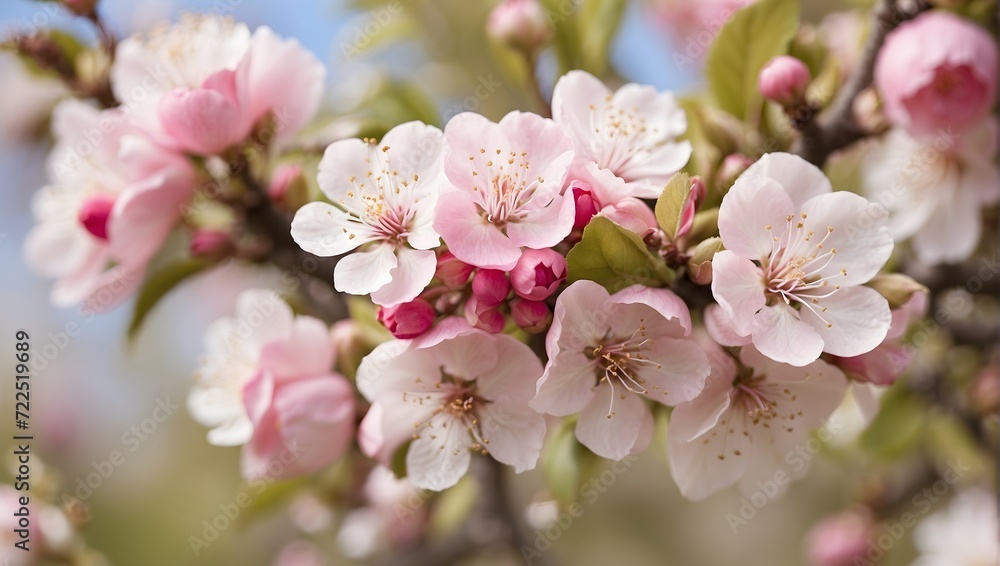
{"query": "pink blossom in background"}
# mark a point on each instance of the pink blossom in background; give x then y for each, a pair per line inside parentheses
(520, 24)
(395, 514)
(739, 430)
(631, 132)
(113, 197)
(797, 256)
(453, 392)
(266, 383)
(843, 33)
(507, 179)
(215, 82)
(607, 353)
(964, 532)
(935, 188)
(385, 196)
(841, 540)
(937, 71)
(692, 25)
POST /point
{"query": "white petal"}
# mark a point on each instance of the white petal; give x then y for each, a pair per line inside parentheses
(780, 335)
(440, 456)
(751, 206)
(800, 179)
(707, 463)
(738, 286)
(414, 270)
(856, 321)
(515, 434)
(612, 438)
(324, 230)
(860, 236)
(363, 273)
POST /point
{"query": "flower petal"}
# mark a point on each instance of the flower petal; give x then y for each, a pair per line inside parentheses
(324, 230)
(612, 438)
(855, 321)
(751, 206)
(515, 434)
(436, 462)
(780, 335)
(413, 272)
(800, 179)
(363, 273)
(738, 286)
(860, 235)
(470, 237)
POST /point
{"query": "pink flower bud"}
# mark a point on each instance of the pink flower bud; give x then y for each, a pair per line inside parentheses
(732, 167)
(484, 318)
(633, 215)
(285, 182)
(408, 320)
(211, 242)
(490, 287)
(94, 214)
(453, 272)
(784, 80)
(840, 540)
(696, 196)
(937, 71)
(538, 274)
(520, 24)
(532, 316)
(586, 204)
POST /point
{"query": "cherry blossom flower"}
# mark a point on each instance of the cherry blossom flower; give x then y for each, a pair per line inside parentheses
(937, 71)
(385, 196)
(113, 197)
(608, 352)
(454, 391)
(508, 179)
(747, 419)
(797, 256)
(631, 132)
(204, 83)
(599, 192)
(963, 534)
(935, 189)
(266, 383)
(395, 514)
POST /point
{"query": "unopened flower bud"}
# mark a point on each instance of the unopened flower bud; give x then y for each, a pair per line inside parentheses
(453, 272)
(700, 263)
(520, 24)
(288, 187)
(840, 540)
(633, 215)
(732, 167)
(211, 242)
(408, 320)
(586, 205)
(95, 213)
(784, 80)
(532, 316)
(538, 274)
(484, 318)
(896, 288)
(490, 287)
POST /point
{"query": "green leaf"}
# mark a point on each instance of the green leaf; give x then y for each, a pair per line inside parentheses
(561, 466)
(615, 258)
(670, 205)
(898, 425)
(751, 38)
(454, 504)
(157, 285)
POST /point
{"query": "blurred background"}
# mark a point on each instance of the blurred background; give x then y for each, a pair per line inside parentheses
(95, 386)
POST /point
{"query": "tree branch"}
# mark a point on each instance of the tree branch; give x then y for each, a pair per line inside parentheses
(837, 128)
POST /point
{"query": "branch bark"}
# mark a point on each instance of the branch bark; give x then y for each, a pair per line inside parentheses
(838, 128)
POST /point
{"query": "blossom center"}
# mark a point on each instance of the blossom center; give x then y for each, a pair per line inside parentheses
(503, 184)
(622, 135)
(798, 269)
(455, 404)
(383, 200)
(621, 360)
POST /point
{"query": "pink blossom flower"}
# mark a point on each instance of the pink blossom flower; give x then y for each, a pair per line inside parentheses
(385, 197)
(784, 80)
(744, 423)
(112, 199)
(607, 352)
(538, 274)
(599, 192)
(935, 72)
(841, 540)
(215, 82)
(490, 287)
(478, 315)
(532, 316)
(508, 181)
(395, 514)
(631, 132)
(453, 272)
(266, 383)
(935, 189)
(797, 256)
(452, 392)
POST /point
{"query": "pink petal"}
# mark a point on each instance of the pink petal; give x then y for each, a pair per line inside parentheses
(720, 328)
(201, 121)
(612, 438)
(413, 272)
(860, 235)
(515, 434)
(780, 335)
(567, 385)
(470, 237)
(307, 351)
(544, 227)
(738, 286)
(856, 321)
(751, 206)
(438, 463)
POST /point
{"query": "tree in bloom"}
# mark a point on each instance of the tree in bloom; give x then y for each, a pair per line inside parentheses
(797, 255)
(267, 383)
(507, 181)
(608, 352)
(454, 392)
(752, 413)
(386, 194)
